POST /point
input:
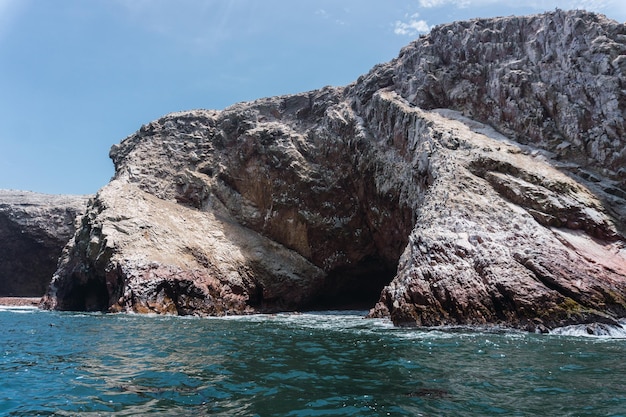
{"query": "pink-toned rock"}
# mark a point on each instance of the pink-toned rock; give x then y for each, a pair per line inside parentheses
(503, 237)
(20, 301)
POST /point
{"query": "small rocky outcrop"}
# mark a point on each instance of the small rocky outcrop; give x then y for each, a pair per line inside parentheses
(476, 179)
(34, 228)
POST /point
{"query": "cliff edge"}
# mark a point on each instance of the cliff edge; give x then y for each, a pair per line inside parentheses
(478, 178)
(34, 228)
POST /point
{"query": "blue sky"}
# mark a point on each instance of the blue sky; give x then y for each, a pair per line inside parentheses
(77, 76)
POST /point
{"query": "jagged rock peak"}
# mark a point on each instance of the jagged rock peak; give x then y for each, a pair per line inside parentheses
(475, 179)
(556, 80)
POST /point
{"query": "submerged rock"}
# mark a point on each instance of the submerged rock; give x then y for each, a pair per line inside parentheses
(477, 178)
(34, 228)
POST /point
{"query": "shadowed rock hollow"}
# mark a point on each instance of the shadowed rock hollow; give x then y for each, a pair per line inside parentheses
(34, 228)
(477, 178)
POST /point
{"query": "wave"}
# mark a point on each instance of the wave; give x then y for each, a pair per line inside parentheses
(19, 309)
(613, 331)
(355, 321)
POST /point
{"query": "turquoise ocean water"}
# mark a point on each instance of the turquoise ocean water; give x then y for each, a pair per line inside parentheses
(314, 364)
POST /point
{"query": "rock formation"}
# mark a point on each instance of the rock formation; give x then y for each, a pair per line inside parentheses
(478, 178)
(34, 228)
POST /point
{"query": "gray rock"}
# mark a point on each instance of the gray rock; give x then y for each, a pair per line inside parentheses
(555, 81)
(475, 179)
(34, 228)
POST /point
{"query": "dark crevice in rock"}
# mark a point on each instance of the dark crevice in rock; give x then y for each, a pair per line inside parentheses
(33, 230)
(26, 276)
(178, 297)
(355, 286)
(86, 295)
(503, 302)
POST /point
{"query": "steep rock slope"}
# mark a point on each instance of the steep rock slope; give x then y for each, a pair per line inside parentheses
(396, 181)
(34, 228)
(555, 81)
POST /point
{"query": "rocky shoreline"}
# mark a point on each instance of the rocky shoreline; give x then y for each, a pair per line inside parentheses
(20, 301)
(476, 179)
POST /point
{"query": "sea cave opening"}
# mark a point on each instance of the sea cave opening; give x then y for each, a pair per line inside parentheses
(89, 295)
(354, 287)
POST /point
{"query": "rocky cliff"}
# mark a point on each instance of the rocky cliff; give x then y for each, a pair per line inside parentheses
(34, 228)
(477, 178)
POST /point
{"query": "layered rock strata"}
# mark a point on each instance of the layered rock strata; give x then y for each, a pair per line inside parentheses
(34, 228)
(476, 179)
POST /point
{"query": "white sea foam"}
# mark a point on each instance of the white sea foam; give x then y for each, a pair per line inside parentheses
(617, 331)
(352, 321)
(19, 309)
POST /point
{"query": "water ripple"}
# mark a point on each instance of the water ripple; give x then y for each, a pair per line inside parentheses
(311, 364)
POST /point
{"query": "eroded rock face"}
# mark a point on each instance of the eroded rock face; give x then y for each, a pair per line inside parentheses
(503, 237)
(258, 213)
(555, 81)
(136, 252)
(396, 181)
(34, 228)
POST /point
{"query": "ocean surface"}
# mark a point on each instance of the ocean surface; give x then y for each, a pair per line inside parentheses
(313, 364)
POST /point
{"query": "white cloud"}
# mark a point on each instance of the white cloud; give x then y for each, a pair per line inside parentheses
(411, 27)
(323, 13)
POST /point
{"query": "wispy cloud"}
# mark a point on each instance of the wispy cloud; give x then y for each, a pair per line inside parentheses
(322, 13)
(411, 27)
